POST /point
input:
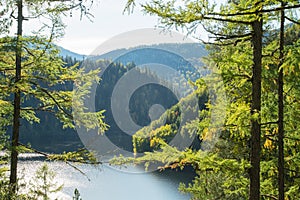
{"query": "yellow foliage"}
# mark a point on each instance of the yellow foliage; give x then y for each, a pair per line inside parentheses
(275, 131)
(2, 102)
(269, 144)
(204, 134)
(267, 67)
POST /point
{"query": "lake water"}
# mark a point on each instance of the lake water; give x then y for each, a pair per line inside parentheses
(109, 183)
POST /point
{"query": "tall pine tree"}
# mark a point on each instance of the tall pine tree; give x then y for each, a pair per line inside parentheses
(241, 30)
(31, 68)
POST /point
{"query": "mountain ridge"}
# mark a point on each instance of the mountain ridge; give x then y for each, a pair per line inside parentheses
(186, 50)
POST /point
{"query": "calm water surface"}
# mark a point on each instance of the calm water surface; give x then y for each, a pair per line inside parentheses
(108, 183)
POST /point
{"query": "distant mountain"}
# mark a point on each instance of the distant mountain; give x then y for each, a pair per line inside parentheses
(186, 50)
(50, 137)
(67, 53)
(183, 57)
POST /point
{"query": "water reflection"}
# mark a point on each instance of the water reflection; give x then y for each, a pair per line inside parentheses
(108, 183)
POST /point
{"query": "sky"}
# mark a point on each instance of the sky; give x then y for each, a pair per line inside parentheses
(84, 36)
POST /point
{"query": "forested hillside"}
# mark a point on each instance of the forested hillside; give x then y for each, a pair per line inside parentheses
(48, 135)
(226, 109)
(255, 152)
(172, 122)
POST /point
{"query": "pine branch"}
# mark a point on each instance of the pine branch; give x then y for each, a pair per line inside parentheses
(255, 12)
(29, 52)
(268, 123)
(7, 69)
(224, 44)
(294, 171)
(269, 196)
(271, 137)
(228, 20)
(41, 108)
(292, 138)
(289, 90)
(230, 37)
(53, 98)
(68, 162)
(292, 20)
(272, 54)
(34, 150)
(178, 20)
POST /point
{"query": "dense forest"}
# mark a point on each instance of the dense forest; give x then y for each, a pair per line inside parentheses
(54, 139)
(241, 145)
(255, 150)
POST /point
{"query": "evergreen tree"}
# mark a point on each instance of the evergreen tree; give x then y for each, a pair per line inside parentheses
(241, 51)
(30, 67)
(43, 184)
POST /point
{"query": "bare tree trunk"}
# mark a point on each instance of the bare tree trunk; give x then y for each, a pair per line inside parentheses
(280, 112)
(255, 108)
(17, 102)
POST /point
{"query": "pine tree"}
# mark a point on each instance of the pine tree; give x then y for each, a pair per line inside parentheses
(241, 30)
(43, 184)
(30, 68)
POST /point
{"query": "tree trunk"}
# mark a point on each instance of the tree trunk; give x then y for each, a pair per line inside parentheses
(255, 109)
(280, 112)
(17, 102)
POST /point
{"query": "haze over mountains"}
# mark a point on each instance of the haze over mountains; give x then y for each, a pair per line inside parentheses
(49, 135)
(186, 50)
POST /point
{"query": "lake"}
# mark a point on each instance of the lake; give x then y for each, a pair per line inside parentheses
(110, 183)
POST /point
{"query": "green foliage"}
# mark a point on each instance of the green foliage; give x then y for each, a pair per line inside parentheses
(4, 183)
(170, 123)
(40, 187)
(46, 86)
(224, 173)
(33, 77)
(80, 156)
(43, 185)
(76, 195)
(44, 76)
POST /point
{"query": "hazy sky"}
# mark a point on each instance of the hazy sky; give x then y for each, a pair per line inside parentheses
(83, 36)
